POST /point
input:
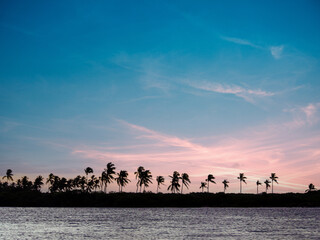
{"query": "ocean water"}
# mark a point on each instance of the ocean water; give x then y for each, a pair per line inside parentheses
(160, 223)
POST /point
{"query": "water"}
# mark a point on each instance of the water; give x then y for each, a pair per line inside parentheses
(159, 223)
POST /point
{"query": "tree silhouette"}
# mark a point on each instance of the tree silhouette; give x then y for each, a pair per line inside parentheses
(145, 180)
(26, 184)
(108, 176)
(69, 185)
(210, 179)
(185, 181)
(160, 180)
(52, 180)
(267, 183)
(8, 175)
(76, 182)
(87, 171)
(96, 183)
(82, 183)
(273, 179)
(38, 182)
(311, 188)
(91, 183)
(19, 184)
(62, 184)
(138, 174)
(225, 185)
(242, 178)
(122, 179)
(174, 186)
(203, 185)
(258, 183)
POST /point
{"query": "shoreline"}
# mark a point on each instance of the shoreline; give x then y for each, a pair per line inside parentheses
(157, 200)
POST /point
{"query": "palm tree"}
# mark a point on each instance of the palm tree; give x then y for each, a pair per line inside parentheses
(91, 183)
(258, 183)
(8, 175)
(311, 188)
(109, 175)
(37, 183)
(267, 183)
(103, 179)
(19, 184)
(96, 183)
(210, 179)
(69, 185)
(242, 178)
(273, 179)
(122, 179)
(51, 181)
(145, 179)
(160, 180)
(76, 182)
(82, 183)
(138, 174)
(87, 171)
(225, 185)
(26, 184)
(185, 181)
(174, 186)
(203, 185)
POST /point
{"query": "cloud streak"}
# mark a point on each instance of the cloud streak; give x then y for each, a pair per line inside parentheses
(240, 41)
(275, 51)
(246, 94)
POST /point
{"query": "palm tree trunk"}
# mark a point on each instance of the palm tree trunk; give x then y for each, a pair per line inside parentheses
(158, 188)
(208, 186)
(272, 186)
(240, 187)
(257, 189)
(181, 188)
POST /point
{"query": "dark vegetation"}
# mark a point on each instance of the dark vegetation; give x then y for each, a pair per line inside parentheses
(100, 199)
(82, 191)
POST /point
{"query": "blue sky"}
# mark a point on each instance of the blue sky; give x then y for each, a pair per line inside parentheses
(191, 86)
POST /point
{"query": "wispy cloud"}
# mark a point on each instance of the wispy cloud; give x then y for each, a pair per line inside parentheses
(167, 139)
(311, 111)
(148, 69)
(6, 126)
(276, 51)
(245, 93)
(305, 115)
(240, 41)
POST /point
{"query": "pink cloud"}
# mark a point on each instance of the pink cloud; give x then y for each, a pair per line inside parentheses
(257, 152)
(306, 115)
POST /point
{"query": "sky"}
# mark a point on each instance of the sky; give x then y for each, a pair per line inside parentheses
(198, 87)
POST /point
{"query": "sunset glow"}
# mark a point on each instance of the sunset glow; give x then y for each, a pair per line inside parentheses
(167, 86)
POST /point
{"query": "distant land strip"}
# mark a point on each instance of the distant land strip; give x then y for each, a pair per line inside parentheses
(148, 199)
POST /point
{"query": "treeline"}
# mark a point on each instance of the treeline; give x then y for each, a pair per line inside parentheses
(100, 199)
(92, 183)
